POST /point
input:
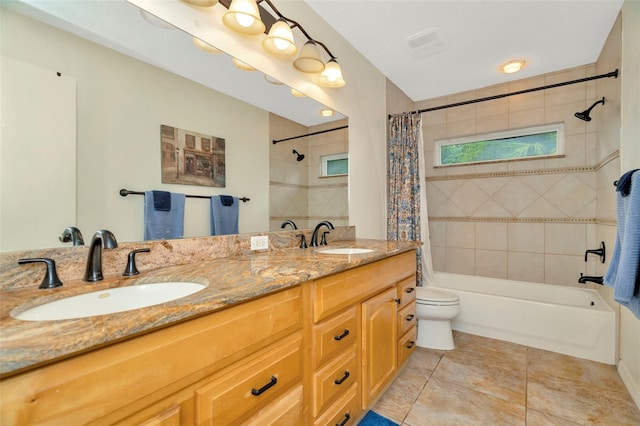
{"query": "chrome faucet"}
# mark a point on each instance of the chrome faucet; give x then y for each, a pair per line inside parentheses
(101, 238)
(288, 222)
(314, 236)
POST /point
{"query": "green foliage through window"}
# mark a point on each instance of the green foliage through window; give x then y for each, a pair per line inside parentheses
(501, 148)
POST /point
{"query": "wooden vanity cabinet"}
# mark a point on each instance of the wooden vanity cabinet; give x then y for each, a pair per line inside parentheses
(353, 321)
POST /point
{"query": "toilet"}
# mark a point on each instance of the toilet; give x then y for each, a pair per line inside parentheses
(435, 309)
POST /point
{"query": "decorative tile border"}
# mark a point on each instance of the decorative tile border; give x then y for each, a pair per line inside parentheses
(513, 219)
(513, 173)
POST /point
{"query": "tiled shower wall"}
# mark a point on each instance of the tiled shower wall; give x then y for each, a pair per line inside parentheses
(528, 220)
(296, 190)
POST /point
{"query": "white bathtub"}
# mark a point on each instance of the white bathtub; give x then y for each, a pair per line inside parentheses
(571, 321)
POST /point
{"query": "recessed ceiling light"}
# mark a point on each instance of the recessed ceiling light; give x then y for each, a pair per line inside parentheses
(297, 93)
(513, 66)
(326, 112)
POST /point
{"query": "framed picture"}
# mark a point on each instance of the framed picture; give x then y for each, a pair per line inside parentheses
(191, 158)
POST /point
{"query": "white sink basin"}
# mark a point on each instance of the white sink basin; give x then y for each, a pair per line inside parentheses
(110, 301)
(345, 250)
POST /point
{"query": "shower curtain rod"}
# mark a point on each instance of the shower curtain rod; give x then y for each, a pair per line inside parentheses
(504, 95)
(275, 141)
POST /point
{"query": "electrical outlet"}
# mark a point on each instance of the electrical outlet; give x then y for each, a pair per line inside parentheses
(260, 242)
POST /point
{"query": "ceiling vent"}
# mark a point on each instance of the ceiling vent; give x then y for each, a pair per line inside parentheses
(427, 42)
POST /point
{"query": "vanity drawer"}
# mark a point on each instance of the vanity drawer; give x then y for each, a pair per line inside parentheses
(407, 291)
(344, 411)
(407, 318)
(333, 379)
(406, 346)
(336, 292)
(285, 411)
(334, 335)
(250, 384)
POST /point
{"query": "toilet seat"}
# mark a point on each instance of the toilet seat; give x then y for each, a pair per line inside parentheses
(435, 297)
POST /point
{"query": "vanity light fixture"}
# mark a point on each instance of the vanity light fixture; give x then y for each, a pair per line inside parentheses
(272, 80)
(242, 65)
(279, 41)
(205, 47)
(513, 66)
(243, 17)
(331, 76)
(309, 59)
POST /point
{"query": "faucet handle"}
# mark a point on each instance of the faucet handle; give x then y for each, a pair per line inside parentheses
(51, 279)
(323, 240)
(303, 241)
(131, 269)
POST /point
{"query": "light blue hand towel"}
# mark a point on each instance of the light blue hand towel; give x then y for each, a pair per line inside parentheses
(163, 225)
(623, 273)
(224, 219)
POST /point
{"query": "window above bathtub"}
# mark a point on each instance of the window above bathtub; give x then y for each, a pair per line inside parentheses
(519, 144)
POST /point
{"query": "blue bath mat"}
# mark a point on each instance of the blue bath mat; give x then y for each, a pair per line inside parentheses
(374, 419)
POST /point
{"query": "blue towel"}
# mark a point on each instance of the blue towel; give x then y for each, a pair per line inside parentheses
(162, 201)
(623, 273)
(224, 219)
(162, 225)
(226, 200)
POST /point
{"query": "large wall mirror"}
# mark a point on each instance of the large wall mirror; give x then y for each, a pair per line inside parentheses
(126, 74)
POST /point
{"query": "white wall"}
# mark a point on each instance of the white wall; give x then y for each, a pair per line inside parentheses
(121, 104)
(629, 366)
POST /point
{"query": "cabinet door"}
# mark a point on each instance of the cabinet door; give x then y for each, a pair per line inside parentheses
(379, 345)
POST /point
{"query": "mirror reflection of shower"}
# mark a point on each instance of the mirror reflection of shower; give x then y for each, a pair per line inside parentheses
(300, 156)
(585, 115)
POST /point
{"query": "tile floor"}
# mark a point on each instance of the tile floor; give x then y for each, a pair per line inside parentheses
(491, 382)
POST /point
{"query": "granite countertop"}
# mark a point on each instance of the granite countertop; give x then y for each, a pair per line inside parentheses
(29, 344)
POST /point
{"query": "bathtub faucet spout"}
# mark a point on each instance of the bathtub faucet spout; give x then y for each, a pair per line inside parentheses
(585, 278)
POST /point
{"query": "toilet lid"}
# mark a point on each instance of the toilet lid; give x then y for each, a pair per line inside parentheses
(435, 295)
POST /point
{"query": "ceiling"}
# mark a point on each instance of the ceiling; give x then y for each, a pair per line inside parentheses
(467, 41)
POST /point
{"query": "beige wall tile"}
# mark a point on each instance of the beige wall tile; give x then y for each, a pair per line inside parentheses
(565, 238)
(526, 118)
(460, 234)
(438, 233)
(525, 237)
(525, 267)
(461, 128)
(563, 269)
(460, 261)
(469, 197)
(492, 123)
(491, 236)
(439, 258)
(491, 263)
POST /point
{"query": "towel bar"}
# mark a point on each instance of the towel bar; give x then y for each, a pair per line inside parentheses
(125, 192)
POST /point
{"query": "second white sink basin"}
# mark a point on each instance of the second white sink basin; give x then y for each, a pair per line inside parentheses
(110, 301)
(346, 250)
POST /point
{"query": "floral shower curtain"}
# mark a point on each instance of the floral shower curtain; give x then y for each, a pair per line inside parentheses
(407, 205)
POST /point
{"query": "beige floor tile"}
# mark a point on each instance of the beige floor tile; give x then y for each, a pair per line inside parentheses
(398, 399)
(504, 352)
(536, 418)
(584, 402)
(484, 374)
(445, 403)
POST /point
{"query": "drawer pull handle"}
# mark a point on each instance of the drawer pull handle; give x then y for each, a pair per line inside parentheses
(411, 344)
(343, 378)
(409, 290)
(343, 335)
(257, 392)
(410, 317)
(347, 416)
(398, 301)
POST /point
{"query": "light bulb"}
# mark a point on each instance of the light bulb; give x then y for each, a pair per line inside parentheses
(244, 20)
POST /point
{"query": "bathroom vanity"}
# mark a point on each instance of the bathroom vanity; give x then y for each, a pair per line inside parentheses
(282, 345)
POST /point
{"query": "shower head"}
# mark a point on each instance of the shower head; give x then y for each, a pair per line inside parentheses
(300, 156)
(584, 115)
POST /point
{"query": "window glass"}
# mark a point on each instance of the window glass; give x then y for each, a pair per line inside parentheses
(535, 142)
(335, 165)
